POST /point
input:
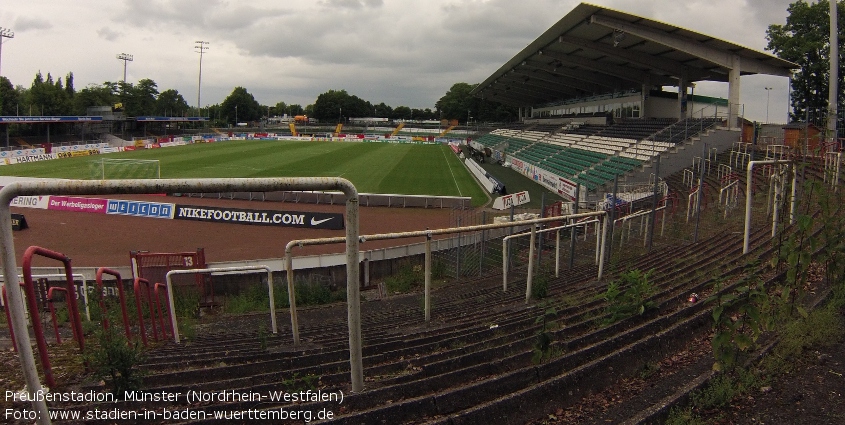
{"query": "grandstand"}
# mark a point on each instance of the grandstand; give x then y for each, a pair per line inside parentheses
(590, 155)
(592, 107)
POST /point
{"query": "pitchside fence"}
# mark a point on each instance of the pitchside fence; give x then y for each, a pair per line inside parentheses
(338, 198)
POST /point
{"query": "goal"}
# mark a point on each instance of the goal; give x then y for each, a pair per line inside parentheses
(118, 169)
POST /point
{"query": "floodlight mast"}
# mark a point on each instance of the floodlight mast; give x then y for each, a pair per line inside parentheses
(5, 33)
(201, 47)
(125, 58)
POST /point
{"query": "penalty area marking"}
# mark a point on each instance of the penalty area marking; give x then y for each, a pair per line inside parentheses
(452, 172)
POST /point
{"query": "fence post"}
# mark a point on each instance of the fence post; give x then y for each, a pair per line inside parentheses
(572, 232)
(699, 195)
(530, 278)
(458, 254)
(483, 236)
(653, 206)
(540, 236)
(427, 277)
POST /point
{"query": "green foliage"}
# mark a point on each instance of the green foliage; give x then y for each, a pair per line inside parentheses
(438, 269)
(263, 336)
(115, 360)
(683, 416)
(250, 299)
(459, 104)
(724, 388)
(804, 41)
(822, 327)
(628, 296)
(240, 106)
(543, 350)
(738, 321)
(540, 285)
(313, 293)
(170, 103)
(299, 382)
(408, 277)
(9, 98)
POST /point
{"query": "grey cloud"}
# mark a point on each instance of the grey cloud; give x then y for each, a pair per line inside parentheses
(352, 4)
(209, 15)
(23, 24)
(108, 34)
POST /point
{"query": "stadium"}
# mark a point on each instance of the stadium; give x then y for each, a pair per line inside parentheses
(427, 272)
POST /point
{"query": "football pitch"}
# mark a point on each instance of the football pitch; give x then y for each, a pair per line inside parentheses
(408, 169)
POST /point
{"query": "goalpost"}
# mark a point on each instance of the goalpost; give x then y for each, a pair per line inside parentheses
(118, 169)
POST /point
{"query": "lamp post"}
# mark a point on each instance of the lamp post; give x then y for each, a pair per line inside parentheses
(5, 33)
(125, 58)
(236, 115)
(201, 47)
(768, 91)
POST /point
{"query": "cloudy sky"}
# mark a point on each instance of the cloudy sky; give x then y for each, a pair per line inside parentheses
(401, 52)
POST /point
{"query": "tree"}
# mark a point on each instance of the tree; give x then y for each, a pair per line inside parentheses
(296, 109)
(170, 103)
(458, 103)
(804, 39)
(48, 97)
(140, 99)
(334, 105)
(240, 106)
(9, 98)
(382, 111)
(402, 113)
(94, 95)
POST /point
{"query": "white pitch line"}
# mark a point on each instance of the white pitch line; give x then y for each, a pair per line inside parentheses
(450, 170)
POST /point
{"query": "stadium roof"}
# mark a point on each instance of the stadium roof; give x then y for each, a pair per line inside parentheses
(596, 50)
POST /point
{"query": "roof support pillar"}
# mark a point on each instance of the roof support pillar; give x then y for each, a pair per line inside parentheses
(646, 92)
(733, 92)
(682, 98)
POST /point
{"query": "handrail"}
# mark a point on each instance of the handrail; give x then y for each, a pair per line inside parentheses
(29, 289)
(749, 177)
(174, 325)
(137, 288)
(140, 186)
(100, 272)
(529, 279)
(53, 309)
(158, 309)
(420, 233)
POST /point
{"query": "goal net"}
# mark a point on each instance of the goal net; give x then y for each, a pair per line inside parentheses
(118, 169)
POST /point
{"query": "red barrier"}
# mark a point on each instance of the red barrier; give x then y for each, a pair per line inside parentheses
(100, 272)
(29, 290)
(53, 309)
(141, 327)
(158, 309)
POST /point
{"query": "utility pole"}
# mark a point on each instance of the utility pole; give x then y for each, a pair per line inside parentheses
(201, 47)
(833, 85)
(125, 58)
(5, 33)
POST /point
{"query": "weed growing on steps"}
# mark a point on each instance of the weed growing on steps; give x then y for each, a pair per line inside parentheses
(813, 240)
(543, 350)
(628, 296)
(115, 360)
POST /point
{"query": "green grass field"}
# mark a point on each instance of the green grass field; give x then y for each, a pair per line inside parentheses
(407, 169)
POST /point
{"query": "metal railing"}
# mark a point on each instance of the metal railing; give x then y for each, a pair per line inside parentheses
(90, 187)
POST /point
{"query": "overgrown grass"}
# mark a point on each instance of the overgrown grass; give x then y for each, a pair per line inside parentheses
(408, 277)
(254, 298)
